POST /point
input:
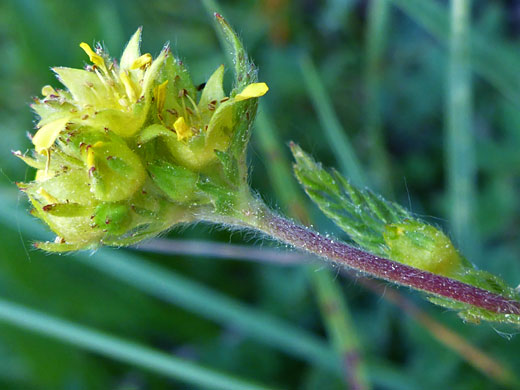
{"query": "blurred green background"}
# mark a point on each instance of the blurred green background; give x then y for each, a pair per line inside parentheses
(372, 87)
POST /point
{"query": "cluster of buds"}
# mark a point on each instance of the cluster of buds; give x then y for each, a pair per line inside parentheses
(129, 149)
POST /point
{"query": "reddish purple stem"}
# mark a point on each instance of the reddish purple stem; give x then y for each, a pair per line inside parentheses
(343, 254)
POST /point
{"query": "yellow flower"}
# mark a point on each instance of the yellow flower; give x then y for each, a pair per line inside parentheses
(117, 98)
(129, 148)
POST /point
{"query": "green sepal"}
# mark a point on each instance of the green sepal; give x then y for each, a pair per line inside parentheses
(67, 187)
(193, 154)
(117, 171)
(473, 314)
(58, 247)
(51, 109)
(230, 166)
(68, 210)
(84, 86)
(132, 50)
(244, 111)
(223, 198)
(153, 131)
(37, 161)
(245, 71)
(179, 83)
(423, 246)
(141, 233)
(179, 183)
(77, 230)
(112, 217)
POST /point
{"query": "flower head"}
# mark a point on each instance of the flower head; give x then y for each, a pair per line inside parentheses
(129, 148)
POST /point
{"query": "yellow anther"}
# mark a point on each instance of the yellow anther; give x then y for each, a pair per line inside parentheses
(143, 61)
(182, 129)
(252, 91)
(98, 144)
(48, 90)
(45, 195)
(129, 86)
(161, 96)
(95, 58)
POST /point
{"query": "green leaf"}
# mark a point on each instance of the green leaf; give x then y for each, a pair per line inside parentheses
(388, 230)
(120, 349)
(361, 214)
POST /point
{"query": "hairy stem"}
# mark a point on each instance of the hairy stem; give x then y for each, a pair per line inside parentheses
(260, 218)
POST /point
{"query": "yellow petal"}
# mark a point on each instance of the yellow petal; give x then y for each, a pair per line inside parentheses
(93, 56)
(129, 86)
(46, 135)
(144, 60)
(161, 96)
(252, 91)
(182, 129)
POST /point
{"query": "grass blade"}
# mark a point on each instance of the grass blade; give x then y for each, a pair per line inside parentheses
(478, 358)
(375, 46)
(341, 328)
(180, 291)
(120, 349)
(220, 250)
(494, 62)
(279, 168)
(460, 148)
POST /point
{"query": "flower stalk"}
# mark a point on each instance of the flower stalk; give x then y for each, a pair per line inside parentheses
(260, 218)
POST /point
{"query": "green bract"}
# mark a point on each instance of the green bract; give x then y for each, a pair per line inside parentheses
(128, 149)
